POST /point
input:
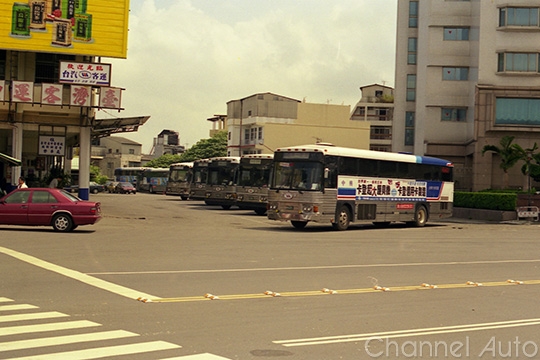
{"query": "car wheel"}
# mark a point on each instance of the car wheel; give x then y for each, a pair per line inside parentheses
(420, 217)
(62, 222)
(95, 191)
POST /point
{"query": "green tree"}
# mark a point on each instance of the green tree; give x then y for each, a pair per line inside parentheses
(508, 153)
(205, 148)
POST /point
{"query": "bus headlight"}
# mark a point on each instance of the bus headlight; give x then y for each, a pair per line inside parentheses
(307, 208)
(208, 194)
(240, 197)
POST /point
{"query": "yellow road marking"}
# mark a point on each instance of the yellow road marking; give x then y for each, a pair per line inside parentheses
(343, 291)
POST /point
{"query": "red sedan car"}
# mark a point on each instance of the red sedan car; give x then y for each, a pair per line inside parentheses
(47, 207)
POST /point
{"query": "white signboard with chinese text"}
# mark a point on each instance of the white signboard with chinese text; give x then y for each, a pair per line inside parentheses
(110, 98)
(80, 95)
(95, 74)
(51, 94)
(23, 91)
(52, 145)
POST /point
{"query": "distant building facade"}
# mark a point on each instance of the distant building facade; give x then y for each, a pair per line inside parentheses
(260, 123)
(467, 74)
(167, 142)
(377, 107)
(114, 152)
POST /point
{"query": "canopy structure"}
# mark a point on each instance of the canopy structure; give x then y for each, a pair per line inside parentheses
(10, 160)
(106, 127)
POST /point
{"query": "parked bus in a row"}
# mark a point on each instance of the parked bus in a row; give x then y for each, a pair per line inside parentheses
(197, 188)
(252, 184)
(153, 180)
(221, 182)
(180, 175)
(339, 186)
(128, 174)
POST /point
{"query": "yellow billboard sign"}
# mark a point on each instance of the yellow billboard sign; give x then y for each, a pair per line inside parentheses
(78, 27)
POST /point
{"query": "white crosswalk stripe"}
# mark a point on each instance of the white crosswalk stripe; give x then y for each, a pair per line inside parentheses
(12, 324)
(48, 346)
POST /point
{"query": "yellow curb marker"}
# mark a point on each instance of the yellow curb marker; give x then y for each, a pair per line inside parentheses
(325, 291)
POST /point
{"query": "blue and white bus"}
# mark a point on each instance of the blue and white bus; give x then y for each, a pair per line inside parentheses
(128, 174)
(339, 186)
(153, 180)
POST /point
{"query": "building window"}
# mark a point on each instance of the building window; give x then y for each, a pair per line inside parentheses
(411, 87)
(456, 33)
(413, 14)
(518, 16)
(47, 67)
(360, 111)
(412, 50)
(260, 130)
(453, 114)
(456, 73)
(518, 62)
(132, 151)
(517, 111)
(409, 128)
(246, 135)
(380, 133)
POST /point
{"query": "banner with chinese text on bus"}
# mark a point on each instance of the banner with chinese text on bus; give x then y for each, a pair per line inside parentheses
(365, 188)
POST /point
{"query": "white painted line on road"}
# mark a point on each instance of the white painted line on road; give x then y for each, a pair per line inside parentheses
(64, 340)
(4, 299)
(17, 307)
(29, 329)
(205, 356)
(84, 278)
(407, 333)
(103, 352)
(33, 316)
(323, 267)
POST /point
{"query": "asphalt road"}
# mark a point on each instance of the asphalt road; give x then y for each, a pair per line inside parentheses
(139, 285)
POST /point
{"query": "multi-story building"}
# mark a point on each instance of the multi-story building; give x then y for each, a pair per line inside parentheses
(260, 123)
(52, 81)
(467, 74)
(377, 106)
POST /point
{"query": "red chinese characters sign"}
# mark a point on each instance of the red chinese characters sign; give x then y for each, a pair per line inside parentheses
(80, 95)
(110, 97)
(51, 94)
(22, 91)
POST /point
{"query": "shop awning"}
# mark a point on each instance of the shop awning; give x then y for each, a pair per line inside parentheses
(10, 160)
(106, 127)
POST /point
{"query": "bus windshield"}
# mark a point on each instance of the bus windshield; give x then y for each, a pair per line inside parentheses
(180, 175)
(298, 175)
(251, 175)
(221, 175)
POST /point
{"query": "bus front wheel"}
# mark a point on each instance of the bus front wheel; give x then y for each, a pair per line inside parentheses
(343, 220)
(299, 224)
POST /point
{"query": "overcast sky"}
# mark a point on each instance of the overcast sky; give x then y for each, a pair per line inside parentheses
(187, 58)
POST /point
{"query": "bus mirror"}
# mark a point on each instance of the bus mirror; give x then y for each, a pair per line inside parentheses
(326, 172)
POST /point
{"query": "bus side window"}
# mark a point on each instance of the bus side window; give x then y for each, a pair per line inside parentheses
(330, 172)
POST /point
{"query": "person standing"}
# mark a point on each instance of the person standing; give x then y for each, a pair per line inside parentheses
(22, 183)
(54, 182)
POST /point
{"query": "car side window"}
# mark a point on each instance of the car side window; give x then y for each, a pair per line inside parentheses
(42, 197)
(20, 197)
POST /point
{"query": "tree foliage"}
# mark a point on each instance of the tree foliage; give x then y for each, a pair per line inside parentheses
(510, 154)
(203, 149)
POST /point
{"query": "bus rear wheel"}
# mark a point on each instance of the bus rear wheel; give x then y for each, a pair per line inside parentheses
(420, 217)
(299, 224)
(343, 220)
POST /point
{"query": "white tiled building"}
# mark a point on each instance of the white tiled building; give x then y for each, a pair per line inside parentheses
(467, 74)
